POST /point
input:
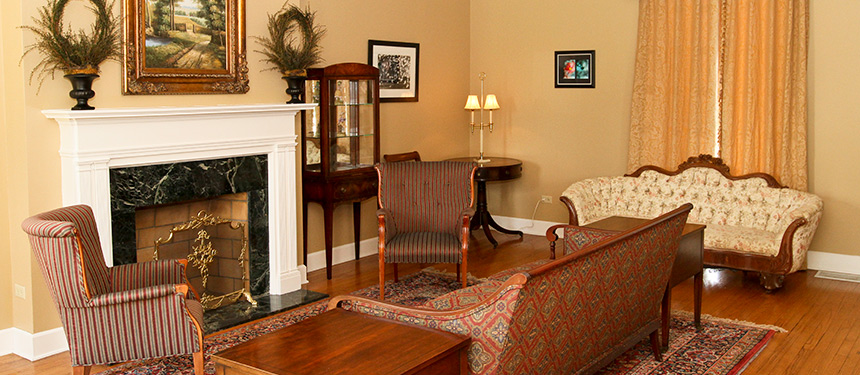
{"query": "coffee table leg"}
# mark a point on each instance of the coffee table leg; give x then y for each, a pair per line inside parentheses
(698, 281)
(666, 314)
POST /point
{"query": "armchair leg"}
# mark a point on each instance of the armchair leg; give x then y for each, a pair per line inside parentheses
(463, 278)
(458, 271)
(81, 370)
(395, 273)
(655, 345)
(198, 363)
(381, 279)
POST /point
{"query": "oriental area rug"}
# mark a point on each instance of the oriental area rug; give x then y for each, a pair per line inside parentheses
(720, 347)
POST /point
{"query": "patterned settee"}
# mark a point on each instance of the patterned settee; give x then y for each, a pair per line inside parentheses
(753, 222)
(570, 315)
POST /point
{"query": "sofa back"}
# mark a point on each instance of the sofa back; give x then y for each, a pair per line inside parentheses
(577, 313)
(716, 199)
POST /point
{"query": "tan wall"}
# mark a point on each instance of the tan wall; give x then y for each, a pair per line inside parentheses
(33, 164)
(834, 122)
(6, 286)
(435, 125)
(562, 135)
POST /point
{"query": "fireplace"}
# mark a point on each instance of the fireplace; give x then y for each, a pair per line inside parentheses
(138, 193)
(97, 147)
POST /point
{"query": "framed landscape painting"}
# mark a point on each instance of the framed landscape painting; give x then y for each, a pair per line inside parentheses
(398, 69)
(185, 47)
(574, 69)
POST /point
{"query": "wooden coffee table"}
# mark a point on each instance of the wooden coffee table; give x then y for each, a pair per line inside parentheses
(688, 263)
(344, 342)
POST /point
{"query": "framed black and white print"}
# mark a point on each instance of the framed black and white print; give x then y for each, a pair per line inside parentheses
(574, 69)
(398, 69)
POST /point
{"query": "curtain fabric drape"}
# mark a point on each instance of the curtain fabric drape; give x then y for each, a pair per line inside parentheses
(676, 82)
(764, 89)
(724, 77)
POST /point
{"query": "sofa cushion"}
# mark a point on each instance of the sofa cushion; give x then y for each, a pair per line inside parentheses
(741, 239)
(504, 275)
(423, 247)
(464, 297)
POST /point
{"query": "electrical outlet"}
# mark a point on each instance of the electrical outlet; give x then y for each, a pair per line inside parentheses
(546, 199)
(20, 291)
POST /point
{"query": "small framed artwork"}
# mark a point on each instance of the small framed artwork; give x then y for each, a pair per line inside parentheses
(398, 69)
(574, 69)
(184, 47)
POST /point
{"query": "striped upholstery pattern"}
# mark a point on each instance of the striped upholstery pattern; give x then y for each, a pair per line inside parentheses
(132, 312)
(422, 205)
(141, 275)
(423, 247)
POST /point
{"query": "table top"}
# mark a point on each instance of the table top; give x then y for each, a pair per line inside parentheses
(494, 162)
(497, 169)
(342, 342)
(621, 223)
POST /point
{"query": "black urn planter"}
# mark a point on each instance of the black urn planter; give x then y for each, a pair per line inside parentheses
(295, 88)
(82, 89)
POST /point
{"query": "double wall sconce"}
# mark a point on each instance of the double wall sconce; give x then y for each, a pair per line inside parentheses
(473, 103)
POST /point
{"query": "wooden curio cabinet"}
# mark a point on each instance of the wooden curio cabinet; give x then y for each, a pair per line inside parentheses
(340, 144)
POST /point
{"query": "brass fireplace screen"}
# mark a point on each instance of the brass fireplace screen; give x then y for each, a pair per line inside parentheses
(220, 262)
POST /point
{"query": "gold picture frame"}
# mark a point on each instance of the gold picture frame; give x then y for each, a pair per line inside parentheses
(184, 50)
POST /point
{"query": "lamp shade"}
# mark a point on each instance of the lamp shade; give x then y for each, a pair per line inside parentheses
(491, 103)
(472, 102)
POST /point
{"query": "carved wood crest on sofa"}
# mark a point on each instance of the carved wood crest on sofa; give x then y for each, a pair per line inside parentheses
(753, 222)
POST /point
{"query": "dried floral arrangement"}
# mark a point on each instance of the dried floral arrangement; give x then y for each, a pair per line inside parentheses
(71, 51)
(283, 49)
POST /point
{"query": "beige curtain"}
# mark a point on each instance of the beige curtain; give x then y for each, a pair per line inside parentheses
(675, 90)
(764, 89)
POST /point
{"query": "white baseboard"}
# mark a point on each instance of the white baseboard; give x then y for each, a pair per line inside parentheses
(822, 261)
(6, 343)
(816, 260)
(528, 226)
(370, 246)
(341, 254)
(33, 346)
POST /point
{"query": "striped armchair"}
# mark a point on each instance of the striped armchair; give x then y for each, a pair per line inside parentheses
(114, 314)
(424, 214)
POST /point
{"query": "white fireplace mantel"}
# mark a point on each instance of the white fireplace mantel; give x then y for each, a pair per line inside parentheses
(92, 142)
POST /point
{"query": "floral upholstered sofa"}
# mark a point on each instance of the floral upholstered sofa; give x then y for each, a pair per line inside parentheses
(753, 222)
(571, 315)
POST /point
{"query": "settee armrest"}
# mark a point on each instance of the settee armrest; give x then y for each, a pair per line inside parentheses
(576, 237)
(486, 322)
(585, 201)
(802, 223)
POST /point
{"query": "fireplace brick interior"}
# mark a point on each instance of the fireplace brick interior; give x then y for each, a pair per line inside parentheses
(156, 222)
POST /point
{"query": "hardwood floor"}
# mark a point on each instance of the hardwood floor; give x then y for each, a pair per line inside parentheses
(822, 316)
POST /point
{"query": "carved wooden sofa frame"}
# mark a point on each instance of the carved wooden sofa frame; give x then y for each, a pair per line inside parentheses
(772, 270)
